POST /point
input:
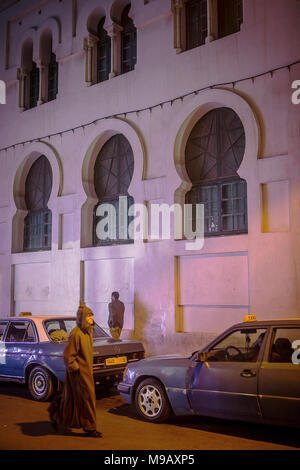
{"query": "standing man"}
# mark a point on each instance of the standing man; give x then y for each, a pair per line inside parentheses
(75, 407)
(116, 315)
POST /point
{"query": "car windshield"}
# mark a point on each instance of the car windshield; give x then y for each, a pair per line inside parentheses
(58, 329)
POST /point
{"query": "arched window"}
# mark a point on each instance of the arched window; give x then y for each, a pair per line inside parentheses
(196, 23)
(52, 78)
(112, 176)
(230, 16)
(34, 78)
(103, 53)
(128, 42)
(37, 223)
(214, 152)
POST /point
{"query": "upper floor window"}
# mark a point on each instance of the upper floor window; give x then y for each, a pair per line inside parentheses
(196, 23)
(230, 16)
(34, 79)
(128, 42)
(103, 53)
(112, 176)
(38, 222)
(214, 152)
(52, 78)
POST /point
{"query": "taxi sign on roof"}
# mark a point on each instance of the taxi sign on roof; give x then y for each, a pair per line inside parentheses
(250, 318)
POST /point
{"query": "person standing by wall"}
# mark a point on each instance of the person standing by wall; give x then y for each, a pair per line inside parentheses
(75, 406)
(116, 310)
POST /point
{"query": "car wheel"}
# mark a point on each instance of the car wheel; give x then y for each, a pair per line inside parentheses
(151, 401)
(40, 384)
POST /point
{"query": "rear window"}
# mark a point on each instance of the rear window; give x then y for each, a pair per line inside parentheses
(58, 329)
(284, 345)
(20, 332)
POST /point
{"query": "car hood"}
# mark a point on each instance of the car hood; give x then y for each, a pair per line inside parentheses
(167, 357)
(172, 369)
(108, 346)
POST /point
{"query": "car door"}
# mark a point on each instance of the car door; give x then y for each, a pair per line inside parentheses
(226, 385)
(19, 340)
(3, 325)
(279, 377)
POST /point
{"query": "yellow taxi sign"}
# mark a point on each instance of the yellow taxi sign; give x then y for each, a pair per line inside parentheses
(250, 318)
(25, 314)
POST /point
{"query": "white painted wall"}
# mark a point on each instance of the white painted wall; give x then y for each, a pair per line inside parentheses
(174, 300)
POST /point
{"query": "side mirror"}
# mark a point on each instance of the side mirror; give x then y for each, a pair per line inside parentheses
(202, 356)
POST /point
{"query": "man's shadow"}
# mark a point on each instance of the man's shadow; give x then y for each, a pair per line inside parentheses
(44, 428)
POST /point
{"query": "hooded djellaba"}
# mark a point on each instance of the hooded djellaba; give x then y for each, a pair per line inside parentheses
(75, 406)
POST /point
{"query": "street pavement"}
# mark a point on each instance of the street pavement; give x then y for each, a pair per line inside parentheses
(24, 425)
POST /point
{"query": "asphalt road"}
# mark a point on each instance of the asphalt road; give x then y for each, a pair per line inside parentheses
(24, 425)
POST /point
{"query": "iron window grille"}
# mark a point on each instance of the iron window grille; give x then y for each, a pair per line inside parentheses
(120, 223)
(196, 23)
(128, 42)
(214, 153)
(112, 176)
(37, 230)
(34, 79)
(230, 17)
(38, 222)
(52, 78)
(103, 53)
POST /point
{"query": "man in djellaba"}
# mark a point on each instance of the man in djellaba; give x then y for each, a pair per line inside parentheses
(75, 406)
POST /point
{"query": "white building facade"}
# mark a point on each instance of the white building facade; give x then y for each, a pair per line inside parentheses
(166, 102)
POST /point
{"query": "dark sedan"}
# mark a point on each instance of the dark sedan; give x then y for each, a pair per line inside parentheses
(251, 372)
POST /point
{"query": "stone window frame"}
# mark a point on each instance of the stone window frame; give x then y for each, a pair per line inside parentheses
(19, 209)
(221, 190)
(36, 46)
(179, 23)
(185, 120)
(112, 25)
(88, 199)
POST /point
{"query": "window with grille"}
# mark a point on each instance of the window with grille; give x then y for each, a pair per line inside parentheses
(128, 42)
(214, 152)
(103, 53)
(112, 176)
(38, 222)
(52, 78)
(230, 16)
(196, 23)
(34, 79)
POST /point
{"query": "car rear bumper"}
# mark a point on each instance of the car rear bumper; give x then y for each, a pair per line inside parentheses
(102, 376)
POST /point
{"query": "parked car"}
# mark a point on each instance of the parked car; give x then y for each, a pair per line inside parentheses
(251, 372)
(31, 352)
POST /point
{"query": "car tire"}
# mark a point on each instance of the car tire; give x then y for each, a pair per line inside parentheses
(151, 401)
(40, 384)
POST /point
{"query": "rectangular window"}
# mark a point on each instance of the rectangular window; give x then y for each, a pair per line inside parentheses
(225, 207)
(196, 23)
(52, 80)
(34, 86)
(37, 230)
(20, 332)
(115, 225)
(103, 60)
(230, 16)
(282, 345)
(240, 346)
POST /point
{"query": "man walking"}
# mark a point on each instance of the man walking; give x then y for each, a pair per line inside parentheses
(116, 315)
(75, 407)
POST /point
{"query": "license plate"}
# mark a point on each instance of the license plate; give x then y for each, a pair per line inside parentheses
(111, 361)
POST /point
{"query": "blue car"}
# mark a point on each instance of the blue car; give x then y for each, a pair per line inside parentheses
(31, 352)
(251, 372)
